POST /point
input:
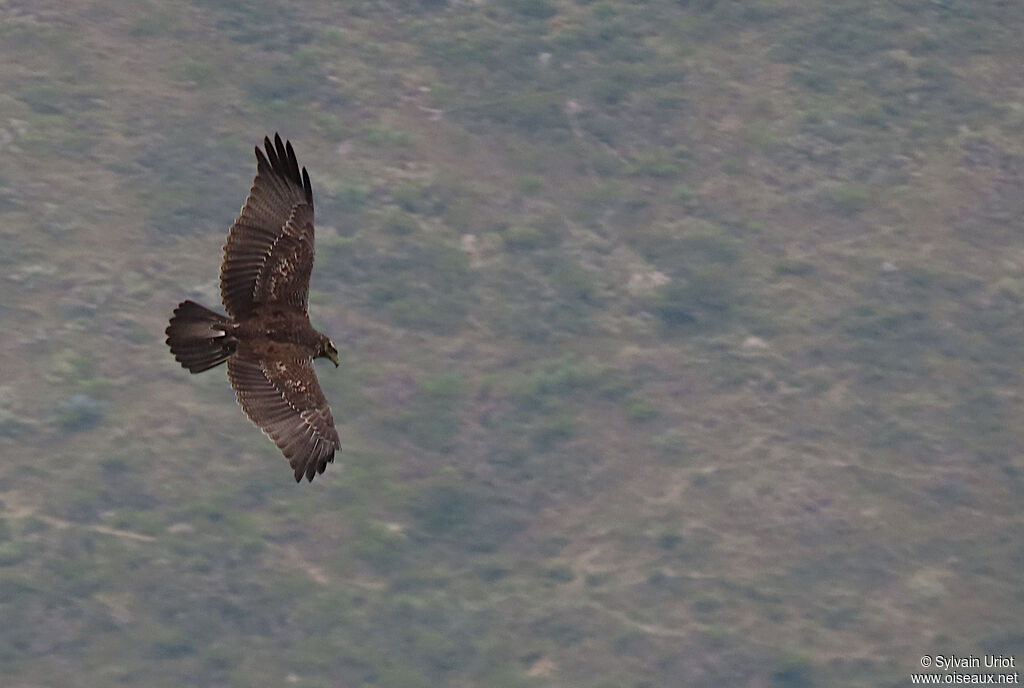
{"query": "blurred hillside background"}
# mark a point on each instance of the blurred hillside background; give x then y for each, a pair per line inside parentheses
(681, 343)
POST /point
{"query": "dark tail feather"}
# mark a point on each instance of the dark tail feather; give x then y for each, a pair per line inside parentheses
(199, 338)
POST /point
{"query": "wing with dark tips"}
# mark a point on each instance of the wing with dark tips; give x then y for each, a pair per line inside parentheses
(279, 392)
(268, 257)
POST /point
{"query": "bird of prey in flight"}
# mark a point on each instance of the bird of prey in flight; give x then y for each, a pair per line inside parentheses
(266, 337)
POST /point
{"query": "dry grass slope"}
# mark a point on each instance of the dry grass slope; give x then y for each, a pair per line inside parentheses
(681, 343)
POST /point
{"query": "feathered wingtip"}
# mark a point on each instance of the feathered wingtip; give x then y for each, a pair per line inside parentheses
(311, 466)
(280, 157)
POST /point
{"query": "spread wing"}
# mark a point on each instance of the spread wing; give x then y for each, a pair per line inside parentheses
(269, 253)
(279, 392)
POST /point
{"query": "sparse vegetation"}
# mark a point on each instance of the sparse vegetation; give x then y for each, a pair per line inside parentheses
(681, 343)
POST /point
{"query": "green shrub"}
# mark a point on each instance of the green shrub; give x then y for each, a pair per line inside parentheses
(530, 238)
(409, 197)
(794, 268)
(432, 428)
(684, 193)
(703, 300)
(562, 573)
(657, 163)
(793, 671)
(446, 508)
(378, 545)
(12, 552)
(383, 136)
(529, 184)
(559, 380)
(199, 71)
(850, 199)
(402, 676)
(12, 425)
(555, 427)
(492, 572)
(640, 410)
(711, 248)
(573, 282)
(398, 222)
(79, 413)
(348, 197)
(530, 112)
(534, 9)
(819, 79)
(612, 89)
(446, 386)
(478, 521)
(669, 540)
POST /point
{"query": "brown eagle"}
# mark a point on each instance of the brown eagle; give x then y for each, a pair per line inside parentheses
(266, 337)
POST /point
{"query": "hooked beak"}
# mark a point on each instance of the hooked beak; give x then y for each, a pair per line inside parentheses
(333, 358)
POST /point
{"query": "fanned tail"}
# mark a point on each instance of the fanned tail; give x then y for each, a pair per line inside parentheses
(199, 338)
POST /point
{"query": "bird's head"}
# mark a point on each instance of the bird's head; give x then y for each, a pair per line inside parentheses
(328, 351)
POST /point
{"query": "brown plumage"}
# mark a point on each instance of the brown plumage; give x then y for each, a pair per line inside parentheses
(266, 338)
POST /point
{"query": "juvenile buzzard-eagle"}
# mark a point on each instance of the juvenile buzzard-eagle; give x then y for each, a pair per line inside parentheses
(266, 337)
